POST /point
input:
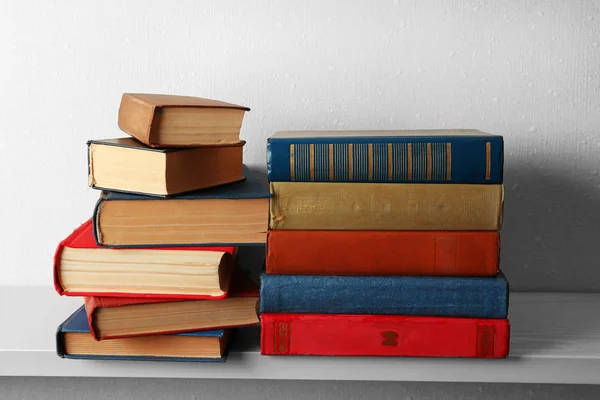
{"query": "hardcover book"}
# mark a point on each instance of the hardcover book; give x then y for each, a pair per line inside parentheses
(422, 156)
(383, 335)
(161, 120)
(386, 206)
(110, 317)
(82, 268)
(127, 165)
(73, 340)
(466, 297)
(418, 253)
(227, 215)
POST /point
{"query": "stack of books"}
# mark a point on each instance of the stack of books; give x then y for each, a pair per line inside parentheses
(156, 264)
(385, 243)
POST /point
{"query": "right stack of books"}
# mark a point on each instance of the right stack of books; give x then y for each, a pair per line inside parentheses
(385, 243)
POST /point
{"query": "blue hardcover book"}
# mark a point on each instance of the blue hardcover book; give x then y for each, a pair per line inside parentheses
(73, 340)
(427, 156)
(234, 214)
(391, 295)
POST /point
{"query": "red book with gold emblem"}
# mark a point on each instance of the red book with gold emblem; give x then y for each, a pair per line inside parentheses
(383, 335)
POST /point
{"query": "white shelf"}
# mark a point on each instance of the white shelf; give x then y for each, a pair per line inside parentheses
(555, 338)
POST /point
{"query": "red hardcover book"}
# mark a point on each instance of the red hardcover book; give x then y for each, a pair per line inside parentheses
(408, 253)
(383, 335)
(120, 317)
(82, 268)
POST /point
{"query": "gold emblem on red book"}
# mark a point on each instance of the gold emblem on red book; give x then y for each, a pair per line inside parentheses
(282, 337)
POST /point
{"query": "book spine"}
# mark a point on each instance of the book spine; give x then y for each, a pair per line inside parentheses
(472, 160)
(81, 229)
(368, 335)
(410, 253)
(56, 270)
(91, 304)
(96, 219)
(91, 180)
(385, 206)
(385, 295)
(135, 118)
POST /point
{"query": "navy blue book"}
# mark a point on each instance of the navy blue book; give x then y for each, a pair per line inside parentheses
(427, 156)
(73, 340)
(232, 215)
(389, 295)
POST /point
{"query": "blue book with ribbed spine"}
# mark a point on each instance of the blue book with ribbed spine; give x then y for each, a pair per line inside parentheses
(426, 156)
(391, 295)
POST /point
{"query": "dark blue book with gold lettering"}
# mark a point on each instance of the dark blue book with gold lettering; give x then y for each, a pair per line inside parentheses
(234, 214)
(73, 340)
(426, 156)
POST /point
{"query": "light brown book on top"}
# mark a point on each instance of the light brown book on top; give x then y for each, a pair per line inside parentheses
(162, 120)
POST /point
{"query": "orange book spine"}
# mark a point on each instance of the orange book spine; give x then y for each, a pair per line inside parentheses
(409, 253)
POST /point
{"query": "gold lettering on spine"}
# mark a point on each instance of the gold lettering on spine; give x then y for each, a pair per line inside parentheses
(292, 174)
(281, 337)
(389, 159)
(429, 161)
(488, 160)
(448, 161)
(410, 161)
(370, 160)
(331, 162)
(350, 161)
(311, 156)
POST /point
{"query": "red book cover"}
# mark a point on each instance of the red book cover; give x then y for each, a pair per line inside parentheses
(241, 286)
(383, 335)
(83, 238)
(408, 253)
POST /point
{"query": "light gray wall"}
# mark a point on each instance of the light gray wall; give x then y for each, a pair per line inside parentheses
(150, 389)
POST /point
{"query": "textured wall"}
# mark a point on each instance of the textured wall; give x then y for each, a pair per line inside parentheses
(528, 70)
(525, 69)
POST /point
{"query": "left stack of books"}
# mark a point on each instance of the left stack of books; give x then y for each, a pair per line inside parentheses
(156, 264)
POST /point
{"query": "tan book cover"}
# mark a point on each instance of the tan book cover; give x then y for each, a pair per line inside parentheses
(385, 206)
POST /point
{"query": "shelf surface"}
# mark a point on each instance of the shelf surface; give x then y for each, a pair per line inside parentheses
(555, 338)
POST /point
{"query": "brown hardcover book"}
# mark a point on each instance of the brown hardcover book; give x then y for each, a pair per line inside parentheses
(114, 317)
(127, 165)
(161, 120)
(409, 253)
